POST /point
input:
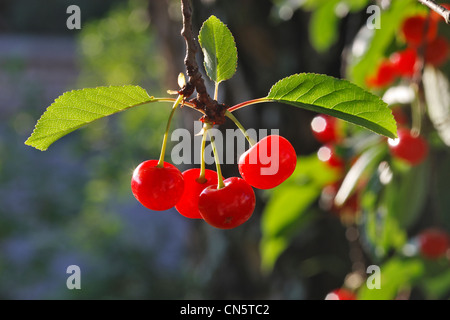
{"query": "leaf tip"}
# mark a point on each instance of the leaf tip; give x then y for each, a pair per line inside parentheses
(30, 143)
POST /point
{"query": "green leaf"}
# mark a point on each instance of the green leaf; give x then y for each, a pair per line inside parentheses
(396, 274)
(77, 108)
(335, 97)
(323, 30)
(356, 5)
(380, 227)
(439, 194)
(437, 286)
(219, 50)
(285, 211)
(406, 194)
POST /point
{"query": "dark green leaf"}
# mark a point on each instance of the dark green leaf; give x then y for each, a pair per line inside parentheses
(406, 194)
(288, 204)
(380, 228)
(441, 178)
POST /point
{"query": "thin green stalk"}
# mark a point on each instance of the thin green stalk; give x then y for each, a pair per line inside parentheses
(185, 103)
(216, 90)
(241, 127)
(201, 177)
(220, 183)
(166, 134)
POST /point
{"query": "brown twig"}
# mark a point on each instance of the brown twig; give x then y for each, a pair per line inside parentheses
(214, 112)
(442, 11)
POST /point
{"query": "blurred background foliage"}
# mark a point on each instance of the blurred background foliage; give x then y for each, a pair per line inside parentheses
(72, 204)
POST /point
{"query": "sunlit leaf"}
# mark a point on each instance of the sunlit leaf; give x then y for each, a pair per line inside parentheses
(396, 274)
(77, 108)
(335, 97)
(219, 50)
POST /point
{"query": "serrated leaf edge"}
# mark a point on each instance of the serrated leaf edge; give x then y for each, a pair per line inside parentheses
(30, 141)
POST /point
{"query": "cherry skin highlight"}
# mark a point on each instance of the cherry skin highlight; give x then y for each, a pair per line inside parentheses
(412, 149)
(325, 128)
(157, 188)
(328, 155)
(340, 294)
(193, 187)
(229, 206)
(268, 163)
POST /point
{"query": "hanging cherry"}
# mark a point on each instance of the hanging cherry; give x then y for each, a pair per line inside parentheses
(268, 163)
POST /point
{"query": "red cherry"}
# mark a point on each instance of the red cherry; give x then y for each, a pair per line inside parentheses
(157, 188)
(268, 163)
(340, 294)
(436, 52)
(410, 148)
(384, 75)
(188, 204)
(433, 243)
(327, 154)
(413, 29)
(325, 128)
(405, 62)
(400, 117)
(229, 206)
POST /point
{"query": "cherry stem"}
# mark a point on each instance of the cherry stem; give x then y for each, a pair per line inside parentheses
(201, 178)
(442, 11)
(241, 127)
(220, 183)
(166, 134)
(185, 103)
(216, 90)
(247, 103)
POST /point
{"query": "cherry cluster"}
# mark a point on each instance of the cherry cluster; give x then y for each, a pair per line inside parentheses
(423, 45)
(200, 193)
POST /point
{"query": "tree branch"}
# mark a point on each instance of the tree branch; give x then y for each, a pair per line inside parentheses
(442, 11)
(214, 112)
